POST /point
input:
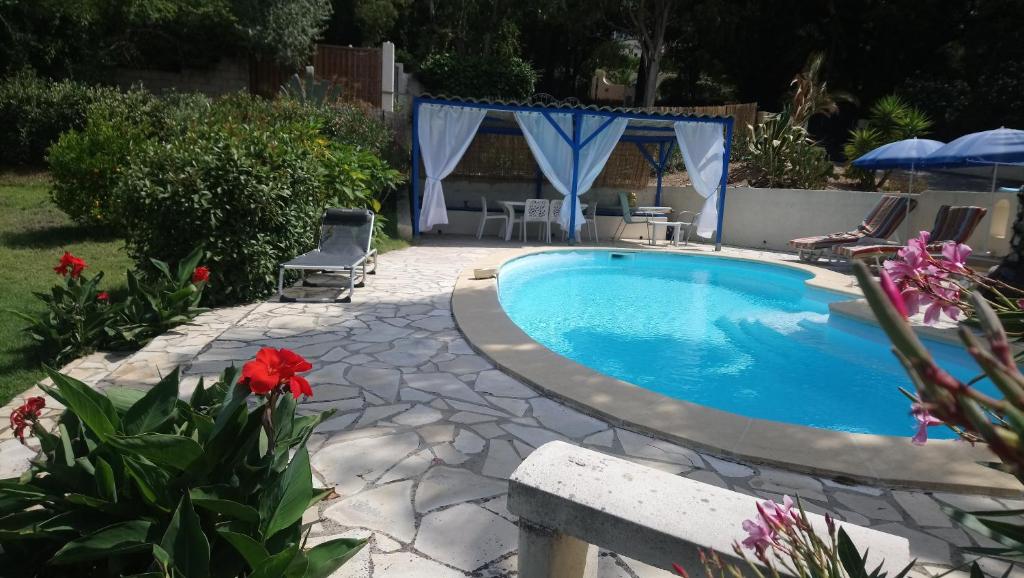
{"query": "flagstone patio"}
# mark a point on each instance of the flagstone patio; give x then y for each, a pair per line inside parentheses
(427, 431)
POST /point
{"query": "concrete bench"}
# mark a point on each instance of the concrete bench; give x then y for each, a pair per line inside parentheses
(569, 497)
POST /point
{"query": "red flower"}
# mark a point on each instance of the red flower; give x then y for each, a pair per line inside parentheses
(103, 296)
(69, 264)
(26, 415)
(202, 273)
(679, 570)
(274, 368)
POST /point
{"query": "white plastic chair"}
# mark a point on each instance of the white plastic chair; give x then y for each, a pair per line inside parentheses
(485, 216)
(536, 211)
(554, 213)
(689, 223)
(590, 221)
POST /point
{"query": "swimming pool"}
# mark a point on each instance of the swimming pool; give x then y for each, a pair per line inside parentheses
(744, 337)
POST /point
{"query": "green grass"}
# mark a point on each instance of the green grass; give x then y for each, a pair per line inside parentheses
(33, 236)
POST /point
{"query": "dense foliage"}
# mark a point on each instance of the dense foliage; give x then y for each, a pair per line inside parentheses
(80, 318)
(890, 119)
(87, 163)
(34, 112)
(782, 154)
(248, 179)
(478, 76)
(145, 484)
(85, 38)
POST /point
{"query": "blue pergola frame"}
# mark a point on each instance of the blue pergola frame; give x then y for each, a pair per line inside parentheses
(577, 142)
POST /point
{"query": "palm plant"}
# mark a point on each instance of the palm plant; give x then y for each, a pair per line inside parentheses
(890, 119)
(811, 95)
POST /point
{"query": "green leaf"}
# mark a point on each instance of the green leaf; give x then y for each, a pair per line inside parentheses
(229, 508)
(106, 486)
(186, 544)
(116, 539)
(849, 557)
(276, 565)
(154, 408)
(253, 552)
(290, 495)
(325, 558)
(124, 398)
(92, 407)
(176, 452)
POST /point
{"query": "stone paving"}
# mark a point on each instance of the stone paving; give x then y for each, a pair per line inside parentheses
(427, 431)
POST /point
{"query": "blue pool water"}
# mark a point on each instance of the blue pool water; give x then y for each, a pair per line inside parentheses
(748, 338)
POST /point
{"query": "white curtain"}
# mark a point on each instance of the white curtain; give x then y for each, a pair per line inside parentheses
(554, 154)
(703, 148)
(444, 134)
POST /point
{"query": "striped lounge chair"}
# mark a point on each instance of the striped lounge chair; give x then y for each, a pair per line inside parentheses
(881, 222)
(951, 224)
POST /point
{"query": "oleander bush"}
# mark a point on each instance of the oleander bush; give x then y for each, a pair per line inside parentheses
(86, 163)
(134, 483)
(246, 178)
(249, 180)
(35, 111)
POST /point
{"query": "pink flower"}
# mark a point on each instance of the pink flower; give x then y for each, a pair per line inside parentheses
(956, 255)
(893, 293)
(760, 535)
(944, 304)
(924, 421)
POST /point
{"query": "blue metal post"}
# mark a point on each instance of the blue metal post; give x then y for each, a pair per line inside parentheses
(660, 170)
(577, 130)
(415, 184)
(537, 184)
(723, 184)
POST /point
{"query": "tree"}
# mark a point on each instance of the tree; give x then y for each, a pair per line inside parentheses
(891, 119)
(376, 18)
(649, 20)
(282, 29)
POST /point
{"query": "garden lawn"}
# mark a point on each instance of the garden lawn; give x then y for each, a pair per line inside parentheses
(33, 236)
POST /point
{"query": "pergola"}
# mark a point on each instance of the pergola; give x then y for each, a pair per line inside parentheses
(571, 144)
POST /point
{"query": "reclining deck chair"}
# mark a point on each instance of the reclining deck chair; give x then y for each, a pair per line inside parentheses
(346, 239)
(881, 222)
(951, 224)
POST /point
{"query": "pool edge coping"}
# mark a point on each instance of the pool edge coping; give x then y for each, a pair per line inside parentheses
(946, 465)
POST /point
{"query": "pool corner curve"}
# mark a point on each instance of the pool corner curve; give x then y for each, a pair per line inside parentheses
(874, 459)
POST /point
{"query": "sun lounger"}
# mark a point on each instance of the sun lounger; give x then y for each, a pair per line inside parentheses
(346, 239)
(880, 223)
(951, 224)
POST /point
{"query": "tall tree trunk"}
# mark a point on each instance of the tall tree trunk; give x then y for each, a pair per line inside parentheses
(650, 21)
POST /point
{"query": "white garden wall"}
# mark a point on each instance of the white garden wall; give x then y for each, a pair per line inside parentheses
(756, 218)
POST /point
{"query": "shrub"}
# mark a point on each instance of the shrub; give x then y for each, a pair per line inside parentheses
(79, 318)
(248, 180)
(143, 483)
(86, 163)
(478, 76)
(35, 111)
(891, 119)
(353, 125)
(783, 155)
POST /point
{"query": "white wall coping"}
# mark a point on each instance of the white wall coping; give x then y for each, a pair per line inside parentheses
(646, 514)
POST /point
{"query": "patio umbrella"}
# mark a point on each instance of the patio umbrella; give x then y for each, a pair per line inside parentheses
(1001, 146)
(902, 154)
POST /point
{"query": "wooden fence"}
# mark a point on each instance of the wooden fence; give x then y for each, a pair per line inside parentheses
(742, 114)
(357, 70)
